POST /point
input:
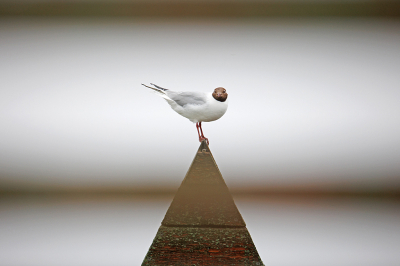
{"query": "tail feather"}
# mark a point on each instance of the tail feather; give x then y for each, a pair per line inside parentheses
(160, 91)
(158, 87)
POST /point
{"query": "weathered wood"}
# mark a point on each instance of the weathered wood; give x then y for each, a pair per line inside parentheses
(203, 197)
(202, 246)
(203, 225)
(202, 9)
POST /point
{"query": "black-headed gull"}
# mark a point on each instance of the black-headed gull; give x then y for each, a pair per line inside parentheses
(196, 106)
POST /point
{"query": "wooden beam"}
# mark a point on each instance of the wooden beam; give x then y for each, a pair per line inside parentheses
(189, 9)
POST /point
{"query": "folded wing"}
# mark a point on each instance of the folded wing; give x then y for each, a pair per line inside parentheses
(184, 98)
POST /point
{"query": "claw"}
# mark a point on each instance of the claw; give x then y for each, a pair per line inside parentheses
(203, 138)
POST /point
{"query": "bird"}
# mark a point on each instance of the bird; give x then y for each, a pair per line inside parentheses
(198, 107)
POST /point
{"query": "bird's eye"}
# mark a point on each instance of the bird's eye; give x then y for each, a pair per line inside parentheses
(224, 91)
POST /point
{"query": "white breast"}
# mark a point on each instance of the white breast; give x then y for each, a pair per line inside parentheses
(210, 111)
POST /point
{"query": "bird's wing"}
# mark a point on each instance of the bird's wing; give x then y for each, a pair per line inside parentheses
(184, 98)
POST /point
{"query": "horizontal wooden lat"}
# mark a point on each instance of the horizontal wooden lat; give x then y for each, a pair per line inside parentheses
(217, 9)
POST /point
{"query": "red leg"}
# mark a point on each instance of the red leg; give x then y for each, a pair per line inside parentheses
(201, 130)
(202, 135)
(198, 132)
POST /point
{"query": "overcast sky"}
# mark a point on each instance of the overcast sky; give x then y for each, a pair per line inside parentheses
(312, 102)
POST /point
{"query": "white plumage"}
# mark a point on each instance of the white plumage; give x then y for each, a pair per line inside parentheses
(196, 106)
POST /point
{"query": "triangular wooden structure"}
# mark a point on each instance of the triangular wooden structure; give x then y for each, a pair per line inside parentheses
(203, 225)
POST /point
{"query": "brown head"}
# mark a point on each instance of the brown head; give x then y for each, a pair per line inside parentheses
(220, 94)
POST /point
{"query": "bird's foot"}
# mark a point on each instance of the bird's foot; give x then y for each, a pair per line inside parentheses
(204, 138)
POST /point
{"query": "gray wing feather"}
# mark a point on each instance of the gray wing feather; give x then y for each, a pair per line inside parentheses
(183, 98)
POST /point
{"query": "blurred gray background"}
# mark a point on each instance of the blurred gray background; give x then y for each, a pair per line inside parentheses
(310, 146)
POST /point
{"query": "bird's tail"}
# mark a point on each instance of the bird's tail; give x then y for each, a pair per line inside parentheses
(159, 91)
